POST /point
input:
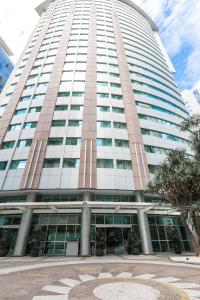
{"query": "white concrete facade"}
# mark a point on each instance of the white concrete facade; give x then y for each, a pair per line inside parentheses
(157, 102)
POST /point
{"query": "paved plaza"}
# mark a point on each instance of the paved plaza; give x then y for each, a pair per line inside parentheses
(105, 278)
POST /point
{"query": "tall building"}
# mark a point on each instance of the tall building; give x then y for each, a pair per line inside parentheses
(89, 112)
(192, 99)
(6, 65)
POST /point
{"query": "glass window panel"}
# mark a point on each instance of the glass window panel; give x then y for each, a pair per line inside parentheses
(73, 141)
(29, 125)
(55, 141)
(117, 219)
(99, 219)
(76, 107)
(121, 143)
(71, 163)
(104, 124)
(105, 163)
(109, 219)
(52, 163)
(61, 107)
(24, 143)
(35, 109)
(119, 125)
(104, 142)
(20, 112)
(118, 110)
(60, 235)
(103, 108)
(75, 123)
(161, 232)
(64, 94)
(58, 123)
(124, 164)
(17, 164)
(8, 145)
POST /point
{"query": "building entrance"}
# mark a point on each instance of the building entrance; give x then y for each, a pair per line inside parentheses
(115, 238)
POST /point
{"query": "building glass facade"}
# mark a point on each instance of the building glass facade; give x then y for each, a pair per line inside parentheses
(90, 111)
(6, 67)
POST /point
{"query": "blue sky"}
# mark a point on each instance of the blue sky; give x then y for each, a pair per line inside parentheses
(178, 20)
(179, 24)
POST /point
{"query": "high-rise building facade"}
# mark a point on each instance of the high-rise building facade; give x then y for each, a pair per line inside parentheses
(89, 112)
(6, 65)
(192, 99)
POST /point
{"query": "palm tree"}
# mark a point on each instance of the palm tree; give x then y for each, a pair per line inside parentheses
(193, 125)
(178, 181)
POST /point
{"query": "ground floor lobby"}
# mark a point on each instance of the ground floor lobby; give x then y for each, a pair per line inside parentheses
(89, 228)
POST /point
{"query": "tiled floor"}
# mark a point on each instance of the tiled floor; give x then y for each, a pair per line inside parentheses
(106, 278)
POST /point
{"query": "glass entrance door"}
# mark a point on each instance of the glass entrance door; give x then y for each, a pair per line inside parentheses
(115, 239)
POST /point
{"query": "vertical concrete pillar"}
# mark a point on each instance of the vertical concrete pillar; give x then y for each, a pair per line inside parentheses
(144, 226)
(85, 226)
(24, 229)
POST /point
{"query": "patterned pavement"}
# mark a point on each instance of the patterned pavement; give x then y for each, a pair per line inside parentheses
(103, 278)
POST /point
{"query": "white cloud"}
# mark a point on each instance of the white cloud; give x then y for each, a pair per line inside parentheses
(178, 21)
(17, 20)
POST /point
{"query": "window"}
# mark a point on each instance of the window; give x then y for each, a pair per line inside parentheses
(153, 168)
(103, 108)
(30, 125)
(24, 143)
(30, 86)
(152, 149)
(102, 95)
(26, 98)
(157, 120)
(104, 142)
(105, 163)
(73, 141)
(3, 165)
(20, 112)
(58, 123)
(118, 110)
(52, 163)
(38, 97)
(61, 107)
(35, 109)
(123, 164)
(55, 141)
(76, 107)
(74, 123)
(77, 94)
(119, 125)
(71, 163)
(117, 97)
(42, 84)
(8, 145)
(17, 164)
(117, 85)
(104, 124)
(102, 83)
(114, 74)
(14, 127)
(63, 94)
(121, 143)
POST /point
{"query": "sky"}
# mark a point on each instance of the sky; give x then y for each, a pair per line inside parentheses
(178, 21)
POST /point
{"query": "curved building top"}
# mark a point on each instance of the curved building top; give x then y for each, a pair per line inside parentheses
(44, 5)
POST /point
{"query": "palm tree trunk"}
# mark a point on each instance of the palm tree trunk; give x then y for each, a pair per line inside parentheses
(195, 239)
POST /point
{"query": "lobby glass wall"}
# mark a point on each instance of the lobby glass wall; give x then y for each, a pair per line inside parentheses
(115, 230)
(56, 230)
(10, 224)
(162, 227)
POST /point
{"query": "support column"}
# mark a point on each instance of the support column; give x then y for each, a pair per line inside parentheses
(144, 226)
(24, 229)
(85, 226)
